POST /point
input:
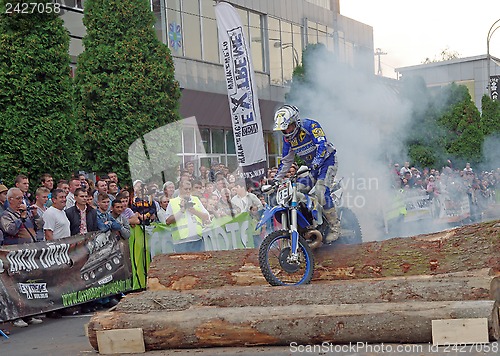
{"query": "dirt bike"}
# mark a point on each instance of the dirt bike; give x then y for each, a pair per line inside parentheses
(285, 256)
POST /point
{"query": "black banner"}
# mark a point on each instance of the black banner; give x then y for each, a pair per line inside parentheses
(44, 276)
(494, 86)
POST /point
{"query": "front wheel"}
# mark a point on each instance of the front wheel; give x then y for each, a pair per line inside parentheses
(277, 264)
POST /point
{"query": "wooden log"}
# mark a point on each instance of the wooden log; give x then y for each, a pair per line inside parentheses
(461, 249)
(473, 285)
(201, 326)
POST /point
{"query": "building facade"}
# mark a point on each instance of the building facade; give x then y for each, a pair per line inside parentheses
(471, 72)
(278, 31)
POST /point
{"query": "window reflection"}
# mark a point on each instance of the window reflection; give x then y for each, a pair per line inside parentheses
(209, 33)
(274, 51)
(175, 40)
(192, 28)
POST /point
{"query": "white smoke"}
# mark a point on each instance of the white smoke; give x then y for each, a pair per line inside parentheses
(365, 119)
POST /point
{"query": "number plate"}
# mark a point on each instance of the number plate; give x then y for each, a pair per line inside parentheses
(282, 194)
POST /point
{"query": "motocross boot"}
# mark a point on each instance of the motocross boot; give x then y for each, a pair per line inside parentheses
(333, 221)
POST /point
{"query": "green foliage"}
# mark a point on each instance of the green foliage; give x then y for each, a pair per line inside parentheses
(37, 127)
(490, 118)
(125, 88)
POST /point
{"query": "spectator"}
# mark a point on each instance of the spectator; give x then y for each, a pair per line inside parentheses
(112, 190)
(17, 226)
(104, 220)
(204, 174)
(198, 188)
(404, 169)
(243, 199)
(22, 182)
(188, 214)
(63, 184)
(56, 224)
(41, 198)
(74, 184)
(120, 225)
(133, 218)
(102, 188)
(143, 204)
(3, 198)
(82, 217)
(225, 204)
(162, 212)
(168, 189)
(47, 181)
(113, 177)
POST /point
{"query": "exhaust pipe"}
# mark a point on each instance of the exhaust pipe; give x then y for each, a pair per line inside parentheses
(314, 238)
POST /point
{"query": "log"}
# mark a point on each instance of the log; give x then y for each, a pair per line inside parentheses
(205, 326)
(474, 285)
(465, 248)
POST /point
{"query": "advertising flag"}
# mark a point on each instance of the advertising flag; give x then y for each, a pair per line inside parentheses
(241, 91)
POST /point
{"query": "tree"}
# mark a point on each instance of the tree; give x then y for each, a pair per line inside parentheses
(445, 55)
(461, 119)
(125, 87)
(490, 117)
(37, 127)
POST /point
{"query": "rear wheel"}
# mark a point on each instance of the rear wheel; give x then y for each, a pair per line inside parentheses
(350, 230)
(277, 264)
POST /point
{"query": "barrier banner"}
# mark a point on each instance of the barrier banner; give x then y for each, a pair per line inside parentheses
(222, 234)
(44, 276)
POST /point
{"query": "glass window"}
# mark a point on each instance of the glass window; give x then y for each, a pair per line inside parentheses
(203, 142)
(312, 32)
(160, 26)
(218, 141)
(192, 28)
(230, 142)
(290, 59)
(322, 36)
(209, 33)
(329, 39)
(232, 163)
(274, 51)
(297, 40)
(188, 139)
(174, 36)
(256, 44)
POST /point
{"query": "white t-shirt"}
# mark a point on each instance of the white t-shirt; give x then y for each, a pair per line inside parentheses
(56, 221)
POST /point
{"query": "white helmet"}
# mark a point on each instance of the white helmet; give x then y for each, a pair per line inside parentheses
(284, 117)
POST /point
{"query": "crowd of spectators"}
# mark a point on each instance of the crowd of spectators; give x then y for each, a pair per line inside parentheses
(448, 186)
(54, 210)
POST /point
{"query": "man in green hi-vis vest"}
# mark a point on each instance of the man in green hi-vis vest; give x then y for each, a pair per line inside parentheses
(188, 214)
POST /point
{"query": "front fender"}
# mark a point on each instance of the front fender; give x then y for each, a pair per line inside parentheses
(268, 214)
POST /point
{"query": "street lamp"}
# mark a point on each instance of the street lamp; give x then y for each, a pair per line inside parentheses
(279, 44)
(488, 57)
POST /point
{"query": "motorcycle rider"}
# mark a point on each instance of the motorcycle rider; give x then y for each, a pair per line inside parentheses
(306, 139)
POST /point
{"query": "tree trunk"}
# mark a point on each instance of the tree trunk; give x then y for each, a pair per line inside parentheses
(461, 249)
(201, 326)
(473, 285)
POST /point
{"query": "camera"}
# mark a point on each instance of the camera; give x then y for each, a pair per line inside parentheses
(188, 204)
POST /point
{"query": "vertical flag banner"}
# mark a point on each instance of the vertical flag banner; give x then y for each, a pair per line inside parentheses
(242, 94)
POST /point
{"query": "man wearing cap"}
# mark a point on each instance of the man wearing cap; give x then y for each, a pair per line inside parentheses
(3, 198)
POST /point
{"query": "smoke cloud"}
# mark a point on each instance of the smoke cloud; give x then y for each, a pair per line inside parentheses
(367, 120)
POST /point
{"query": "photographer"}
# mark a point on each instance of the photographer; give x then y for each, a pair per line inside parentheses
(188, 214)
(17, 226)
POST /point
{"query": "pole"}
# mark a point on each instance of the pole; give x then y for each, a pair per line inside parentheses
(488, 57)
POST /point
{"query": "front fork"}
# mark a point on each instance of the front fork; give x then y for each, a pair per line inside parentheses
(294, 256)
